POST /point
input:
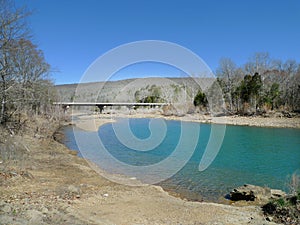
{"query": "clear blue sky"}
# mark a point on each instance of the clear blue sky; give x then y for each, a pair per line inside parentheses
(73, 33)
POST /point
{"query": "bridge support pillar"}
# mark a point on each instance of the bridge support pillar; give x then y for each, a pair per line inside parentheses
(101, 108)
(65, 108)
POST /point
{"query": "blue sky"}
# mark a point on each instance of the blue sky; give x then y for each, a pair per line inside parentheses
(74, 33)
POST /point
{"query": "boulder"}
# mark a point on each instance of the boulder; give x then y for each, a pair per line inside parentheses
(275, 194)
(74, 190)
(250, 192)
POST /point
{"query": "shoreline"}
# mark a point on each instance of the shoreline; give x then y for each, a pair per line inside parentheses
(92, 121)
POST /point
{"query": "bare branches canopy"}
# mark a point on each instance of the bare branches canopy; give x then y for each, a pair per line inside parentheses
(261, 85)
(23, 69)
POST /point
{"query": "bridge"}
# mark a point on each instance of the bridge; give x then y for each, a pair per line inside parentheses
(101, 105)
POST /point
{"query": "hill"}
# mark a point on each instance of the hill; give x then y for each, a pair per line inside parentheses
(173, 90)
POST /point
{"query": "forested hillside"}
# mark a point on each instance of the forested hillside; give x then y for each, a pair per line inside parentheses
(171, 90)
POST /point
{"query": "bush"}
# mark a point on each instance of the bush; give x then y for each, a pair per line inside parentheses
(293, 183)
(200, 99)
(286, 210)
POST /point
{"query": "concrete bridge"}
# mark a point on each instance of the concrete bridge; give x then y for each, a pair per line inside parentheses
(101, 105)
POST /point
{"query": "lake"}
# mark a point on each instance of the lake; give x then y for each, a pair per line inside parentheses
(253, 155)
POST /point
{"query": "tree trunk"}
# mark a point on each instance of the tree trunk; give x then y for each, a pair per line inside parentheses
(3, 115)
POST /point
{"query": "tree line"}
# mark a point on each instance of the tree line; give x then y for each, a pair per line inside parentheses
(260, 85)
(25, 89)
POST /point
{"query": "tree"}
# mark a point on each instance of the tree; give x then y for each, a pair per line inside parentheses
(249, 90)
(262, 81)
(258, 63)
(23, 69)
(200, 99)
(12, 29)
(30, 69)
(227, 72)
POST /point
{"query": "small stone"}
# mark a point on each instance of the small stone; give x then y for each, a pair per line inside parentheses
(77, 196)
(105, 195)
(45, 210)
(74, 189)
(269, 218)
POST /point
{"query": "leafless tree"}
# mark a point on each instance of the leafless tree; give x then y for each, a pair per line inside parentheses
(30, 67)
(279, 86)
(12, 29)
(227, 70)
(23, 69)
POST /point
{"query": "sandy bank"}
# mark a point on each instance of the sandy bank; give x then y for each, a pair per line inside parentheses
(92, 122)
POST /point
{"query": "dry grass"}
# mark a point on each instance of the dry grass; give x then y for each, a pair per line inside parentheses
(293, 183)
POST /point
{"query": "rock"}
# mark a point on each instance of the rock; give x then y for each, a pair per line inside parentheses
(45, 210)
(269, 218)
(275, 193)
(74, 190)
(250, 192)
(38, 136)
(27, 175)
(105, 195)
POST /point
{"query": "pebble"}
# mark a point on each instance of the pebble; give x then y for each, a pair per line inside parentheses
(73, 189)
(105, 195)
(44, 210)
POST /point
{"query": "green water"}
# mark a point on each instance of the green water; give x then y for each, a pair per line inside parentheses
(259, 156)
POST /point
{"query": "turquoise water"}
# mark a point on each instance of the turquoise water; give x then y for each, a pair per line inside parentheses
(259, 156)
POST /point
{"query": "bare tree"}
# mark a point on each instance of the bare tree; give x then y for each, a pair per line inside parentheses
(24, 89)
(30, 68)
(277, 86)
(259, 63)
(12, 28)
(227, 71)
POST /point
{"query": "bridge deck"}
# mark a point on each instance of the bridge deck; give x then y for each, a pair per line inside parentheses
(108, 104)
